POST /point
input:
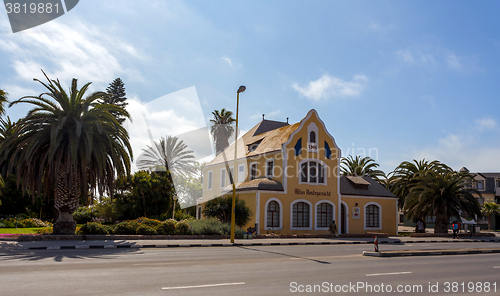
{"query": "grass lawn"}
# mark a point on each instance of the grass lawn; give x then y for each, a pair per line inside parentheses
(21, 230)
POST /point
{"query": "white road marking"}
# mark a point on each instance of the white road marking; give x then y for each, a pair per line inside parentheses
(202, 286)
(496, 266)
(389, 273)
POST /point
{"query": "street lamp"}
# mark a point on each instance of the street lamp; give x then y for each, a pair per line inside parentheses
(235, 168)
(173, 206)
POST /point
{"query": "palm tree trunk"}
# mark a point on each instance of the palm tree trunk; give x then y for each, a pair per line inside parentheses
(489, 222)
(66, 202)
(441, 224)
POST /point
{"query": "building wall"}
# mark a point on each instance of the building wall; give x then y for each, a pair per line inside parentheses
(388, 214)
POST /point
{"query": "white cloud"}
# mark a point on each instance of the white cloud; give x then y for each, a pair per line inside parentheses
(453, 61)
(376, 26)
(466, 148)
(172, 114)
(485, 123)
(227, 60)
(273, 115)
(414, 57)
(330, 86)
(80, 50)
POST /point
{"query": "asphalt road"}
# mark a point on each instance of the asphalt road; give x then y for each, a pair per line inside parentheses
(276, 270)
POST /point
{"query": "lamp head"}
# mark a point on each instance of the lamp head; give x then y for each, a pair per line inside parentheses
(241, 89)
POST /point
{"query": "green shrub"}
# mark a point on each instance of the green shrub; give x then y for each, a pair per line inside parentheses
(182, 228)
(160, 230)
(126, 227)
(84, 214)
(21, 216)
(23, 223)
(169, 226)
(149, 222)
(44, 230)
(220, 208)
(146, 230)
(94, 228)
(182, 215)
(213, 227)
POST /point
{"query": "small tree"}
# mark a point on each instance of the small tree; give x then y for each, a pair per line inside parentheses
(220, 208)
(116, 96)
(490, 208)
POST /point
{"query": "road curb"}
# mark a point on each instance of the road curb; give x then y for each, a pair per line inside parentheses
(430, 252)
(253, 244)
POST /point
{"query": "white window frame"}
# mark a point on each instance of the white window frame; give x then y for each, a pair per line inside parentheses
(250, 171)
(222, 178)
(325, 171)
(210, 179)
(483, 183)
(310, 215)
(379, 216)
(281, 214)
(267, 166)
(312, 127)
(316, 215)
(240, 180)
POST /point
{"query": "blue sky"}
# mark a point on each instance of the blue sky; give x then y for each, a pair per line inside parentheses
(411, 79)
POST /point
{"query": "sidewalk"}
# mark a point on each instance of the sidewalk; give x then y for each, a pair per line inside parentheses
(109, 244)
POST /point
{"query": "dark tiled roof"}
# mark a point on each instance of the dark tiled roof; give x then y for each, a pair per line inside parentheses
(268, 125)
(491, 175)
(256, 184)
(374, 189)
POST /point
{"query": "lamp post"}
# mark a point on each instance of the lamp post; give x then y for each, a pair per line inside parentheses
(235, 168)
(173, 206)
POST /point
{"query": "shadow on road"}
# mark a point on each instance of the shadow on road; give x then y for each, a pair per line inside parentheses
(282, 254)
(7, 253)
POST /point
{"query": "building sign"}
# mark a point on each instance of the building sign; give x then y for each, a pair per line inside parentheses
(356, 213)
(312, 146)
(312, 192)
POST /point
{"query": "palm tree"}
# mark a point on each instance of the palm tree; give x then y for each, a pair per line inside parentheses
(360, 167)
(442, 194)
(168, 154)
(488, 209)
(3, 100)
(221, 129)
(405, 176)
(388, 180)
(68, 145)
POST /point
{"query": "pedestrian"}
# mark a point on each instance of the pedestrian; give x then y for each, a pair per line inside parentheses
(333, 228)
(420, 226)
(454, 227)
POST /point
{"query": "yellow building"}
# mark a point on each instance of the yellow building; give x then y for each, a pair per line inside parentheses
(289, 176)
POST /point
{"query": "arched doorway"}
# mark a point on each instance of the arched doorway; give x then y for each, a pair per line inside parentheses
(343, 218)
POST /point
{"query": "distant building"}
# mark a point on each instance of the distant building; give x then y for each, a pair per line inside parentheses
(289, 176)
(488, 184)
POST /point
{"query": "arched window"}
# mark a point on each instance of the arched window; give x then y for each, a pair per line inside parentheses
(273, 214)
(324, 214)
(372, 216)
(312, 137)
(300, 215)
